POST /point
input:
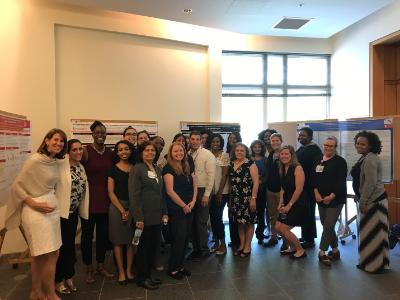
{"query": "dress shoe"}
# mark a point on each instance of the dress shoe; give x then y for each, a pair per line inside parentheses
(155, 280)
(308, 245)
(323, 259)
(176, 275)
(147, 284)
(185, 272)
(334, 255)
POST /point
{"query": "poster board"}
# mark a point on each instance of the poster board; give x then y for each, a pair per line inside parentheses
(15, 148)
(345, 132)
(387, 128)
(80, 129)
(216, 127)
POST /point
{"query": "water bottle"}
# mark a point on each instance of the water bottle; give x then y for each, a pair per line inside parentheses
(136, 237)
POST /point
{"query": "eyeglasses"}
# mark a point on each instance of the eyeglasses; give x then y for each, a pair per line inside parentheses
(131, 134)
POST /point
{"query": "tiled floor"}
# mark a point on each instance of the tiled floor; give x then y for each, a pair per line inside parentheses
(265, 275)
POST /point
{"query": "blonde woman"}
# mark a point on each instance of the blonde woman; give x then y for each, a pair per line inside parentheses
(292, 207)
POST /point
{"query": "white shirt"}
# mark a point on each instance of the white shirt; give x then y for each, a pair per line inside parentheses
(204, 174)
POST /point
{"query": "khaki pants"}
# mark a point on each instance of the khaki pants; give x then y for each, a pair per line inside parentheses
(272, 204)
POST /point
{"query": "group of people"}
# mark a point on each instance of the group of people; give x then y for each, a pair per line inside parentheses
(130, 192)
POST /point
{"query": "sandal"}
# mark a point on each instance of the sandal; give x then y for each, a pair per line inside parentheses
(70, 284)
(62, 289)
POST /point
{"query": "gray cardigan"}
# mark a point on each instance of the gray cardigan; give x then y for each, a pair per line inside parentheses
(146, 199)
(371, 185)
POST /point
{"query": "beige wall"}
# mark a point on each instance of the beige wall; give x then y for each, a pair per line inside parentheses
(38, 78)
(350, 61)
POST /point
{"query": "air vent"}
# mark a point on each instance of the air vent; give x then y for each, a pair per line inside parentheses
(291, 23)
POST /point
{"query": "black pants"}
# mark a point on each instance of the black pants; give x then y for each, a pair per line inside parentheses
(66, 260)
(309, 228)
(101, 222)
(233, 228)
(180, 231)
(261, 206)
(216, 214)
(147, 250)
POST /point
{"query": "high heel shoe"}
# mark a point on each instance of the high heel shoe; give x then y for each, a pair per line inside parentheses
(237, 252)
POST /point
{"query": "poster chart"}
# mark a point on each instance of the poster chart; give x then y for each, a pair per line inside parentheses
(15, 148)
(81, 129)
(222, 128)
(345, 131)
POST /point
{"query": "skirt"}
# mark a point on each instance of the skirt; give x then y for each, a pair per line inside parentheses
(120, 232)
(374, 240)
(42, 231)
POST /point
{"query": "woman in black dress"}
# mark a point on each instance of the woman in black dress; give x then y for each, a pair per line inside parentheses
(291, 204)
(244, 180)
(120, 220)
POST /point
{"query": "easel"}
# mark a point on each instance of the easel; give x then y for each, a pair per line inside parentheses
(14, 258)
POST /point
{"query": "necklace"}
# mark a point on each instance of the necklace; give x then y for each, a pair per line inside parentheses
(101, 152)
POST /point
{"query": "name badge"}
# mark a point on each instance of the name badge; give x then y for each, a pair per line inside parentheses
(319, 169)
(151, 174)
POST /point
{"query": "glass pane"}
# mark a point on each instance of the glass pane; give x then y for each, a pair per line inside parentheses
(242, 69)
(246, 111)
(306, 108)
(306, 91)
(275, 69)
(275, 109)
(275, 92)
(307, 70)
(240, 90)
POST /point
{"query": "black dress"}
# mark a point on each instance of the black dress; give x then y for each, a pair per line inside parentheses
(242, 186)
(297, 213)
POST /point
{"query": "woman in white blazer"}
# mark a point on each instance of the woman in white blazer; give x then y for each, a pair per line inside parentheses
(72, 192)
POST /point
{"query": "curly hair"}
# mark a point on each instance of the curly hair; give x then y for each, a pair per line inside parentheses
(374, 142)
(213, 136)
(247, 151)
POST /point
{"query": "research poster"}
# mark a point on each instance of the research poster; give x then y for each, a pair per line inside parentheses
(81, 129)
(15, 148)
(345, 131)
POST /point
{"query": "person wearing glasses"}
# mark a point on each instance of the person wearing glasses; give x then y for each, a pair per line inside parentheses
(330, 193)
(130, 135)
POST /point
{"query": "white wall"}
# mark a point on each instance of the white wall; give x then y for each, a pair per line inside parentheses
(38, 79)
(350, 61)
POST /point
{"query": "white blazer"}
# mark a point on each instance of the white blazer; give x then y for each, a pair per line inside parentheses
(63, 190)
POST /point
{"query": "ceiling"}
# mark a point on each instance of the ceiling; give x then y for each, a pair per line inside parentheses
(250, 16)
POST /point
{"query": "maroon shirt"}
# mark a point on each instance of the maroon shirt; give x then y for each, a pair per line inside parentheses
(96, 168)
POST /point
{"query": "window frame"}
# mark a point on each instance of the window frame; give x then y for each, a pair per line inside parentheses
(285, 87)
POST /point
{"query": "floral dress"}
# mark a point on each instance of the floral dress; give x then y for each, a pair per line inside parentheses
(240, 195)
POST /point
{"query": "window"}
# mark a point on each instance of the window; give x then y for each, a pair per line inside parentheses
(260, 88)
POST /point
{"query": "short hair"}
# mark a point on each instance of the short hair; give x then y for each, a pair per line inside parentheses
(157, 136)
(71, 142)
(43, 147)
(95, 124)
(278, 135)
(262, 145)
(194, 132)
(141, 149)
(206, 131)
(293, 160)
(145, 132)
(262, 133)
(238, 140)
(307, 130)
(332, 138)
(213, 136)
(373, 140)
(233, 156)
(127, 128)
(131, 147)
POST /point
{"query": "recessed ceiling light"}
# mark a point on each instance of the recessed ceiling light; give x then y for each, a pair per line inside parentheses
(188, 10)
